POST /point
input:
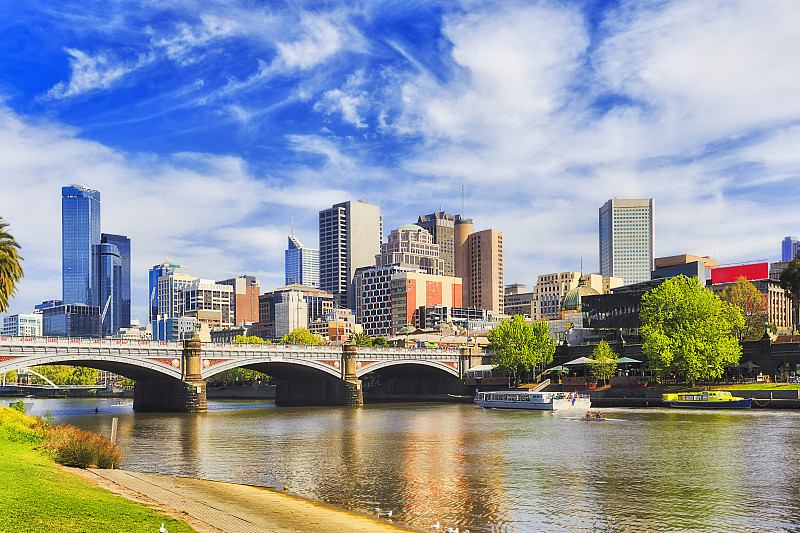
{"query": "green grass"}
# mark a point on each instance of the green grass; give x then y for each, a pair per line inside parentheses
(35, 495)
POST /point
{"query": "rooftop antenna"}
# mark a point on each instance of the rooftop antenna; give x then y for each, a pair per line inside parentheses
(463, 214)
(292, 219)
(581, 265)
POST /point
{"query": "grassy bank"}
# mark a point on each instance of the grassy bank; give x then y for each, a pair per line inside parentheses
(36, 495)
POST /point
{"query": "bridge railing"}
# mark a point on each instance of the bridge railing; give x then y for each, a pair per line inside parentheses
(46, 341)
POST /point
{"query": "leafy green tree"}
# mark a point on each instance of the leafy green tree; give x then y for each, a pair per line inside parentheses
(750, 302)
(604, 362)
(241, 339)
(380, 341)
(360, 339)
(66, 375)
(238, 376)
(688, 330)
(10, 268)
(790, 282)
(518, 346)
(301, 336)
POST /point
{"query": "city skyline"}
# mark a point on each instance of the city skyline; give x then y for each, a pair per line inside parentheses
(207, 131)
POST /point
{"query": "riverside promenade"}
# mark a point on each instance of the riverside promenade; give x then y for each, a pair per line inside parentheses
(213, 506)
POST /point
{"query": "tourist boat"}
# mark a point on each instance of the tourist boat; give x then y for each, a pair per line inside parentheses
(542, 401)
(706, 400)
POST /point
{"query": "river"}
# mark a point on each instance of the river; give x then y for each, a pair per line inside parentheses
(483, 470)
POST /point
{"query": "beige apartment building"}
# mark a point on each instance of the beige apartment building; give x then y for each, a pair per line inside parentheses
(411, 246)
(479, 264)
(544, 302)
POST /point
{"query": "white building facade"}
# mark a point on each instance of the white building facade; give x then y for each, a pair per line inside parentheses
(23, 325)
(626, 239)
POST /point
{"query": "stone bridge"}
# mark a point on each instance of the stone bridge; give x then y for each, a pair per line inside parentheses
(172, 375)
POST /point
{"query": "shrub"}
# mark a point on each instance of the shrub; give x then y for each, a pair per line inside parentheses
(71, 446)
(76, 452)
(20, 428)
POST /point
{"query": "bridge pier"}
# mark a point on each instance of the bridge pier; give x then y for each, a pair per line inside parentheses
(322, 390)
(187, 395)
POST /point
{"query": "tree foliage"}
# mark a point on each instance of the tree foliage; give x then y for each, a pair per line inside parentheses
(517, 345)
(301, 336)
(790, 281)
(10, 268)
(67, 375)
(748, 299)
(688, 330)
(238, 376)
(604, 362)
(241, 339)
(360, 339)
(380, 341)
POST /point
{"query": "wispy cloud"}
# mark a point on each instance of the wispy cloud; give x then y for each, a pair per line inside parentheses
(93, 72)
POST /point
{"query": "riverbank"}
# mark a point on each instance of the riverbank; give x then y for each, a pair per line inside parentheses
(236, 508)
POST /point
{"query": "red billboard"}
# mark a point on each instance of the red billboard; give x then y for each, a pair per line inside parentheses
(729, 274)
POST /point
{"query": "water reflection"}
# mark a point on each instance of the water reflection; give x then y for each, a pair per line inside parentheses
(645, 470)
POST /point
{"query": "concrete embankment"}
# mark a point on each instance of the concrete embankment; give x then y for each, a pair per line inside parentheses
(230, 507)
(762, 399)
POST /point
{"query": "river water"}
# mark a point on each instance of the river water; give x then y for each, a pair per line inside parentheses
(483, 470)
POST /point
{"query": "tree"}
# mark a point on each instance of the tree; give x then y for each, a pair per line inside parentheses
(790, 282)
(301, 336)
(604, 362)
(750, 302)
(687, 330)
(238, 376)
(241, 339)
(67, 375)
(518, 346)
(360, 339)
(380, 341)
(10, 268)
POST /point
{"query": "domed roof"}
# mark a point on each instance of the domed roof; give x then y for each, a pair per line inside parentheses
(410, 227)
(572, 300)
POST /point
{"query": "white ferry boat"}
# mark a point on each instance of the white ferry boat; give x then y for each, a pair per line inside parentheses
(543, 401)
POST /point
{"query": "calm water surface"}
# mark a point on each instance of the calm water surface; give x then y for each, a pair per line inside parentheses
(484, 470)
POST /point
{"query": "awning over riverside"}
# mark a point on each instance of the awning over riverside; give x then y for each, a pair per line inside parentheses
(579, 361)
(627, 360)
(480, 371)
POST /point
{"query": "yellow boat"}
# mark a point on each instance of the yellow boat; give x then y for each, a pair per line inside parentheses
(706, 400)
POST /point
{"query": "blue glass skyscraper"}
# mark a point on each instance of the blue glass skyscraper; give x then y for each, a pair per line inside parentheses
(80, 233)
(108, 288)
(123, 245)
(789, 248)
(302, 264)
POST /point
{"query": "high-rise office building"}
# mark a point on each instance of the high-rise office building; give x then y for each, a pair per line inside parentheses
(245, 298)
(626, 239)
(411, 246)
(441, 226)
(123, 245)
(789, 247)
(301, 264)
(156, 272)
(80, 233)
(479, 264)
(108, 288)
(350, 236)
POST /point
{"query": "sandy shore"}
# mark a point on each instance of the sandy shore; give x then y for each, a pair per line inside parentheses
(216, 506)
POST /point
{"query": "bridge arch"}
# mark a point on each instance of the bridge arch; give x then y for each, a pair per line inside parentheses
(285, 367)
(131, 367)
(378, 365)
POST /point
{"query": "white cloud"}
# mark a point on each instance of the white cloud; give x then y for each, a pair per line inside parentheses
(322, 37)
(90, 73)
(346, 100)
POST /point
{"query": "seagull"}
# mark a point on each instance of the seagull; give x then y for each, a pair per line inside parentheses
(436, 525)
(162, 529)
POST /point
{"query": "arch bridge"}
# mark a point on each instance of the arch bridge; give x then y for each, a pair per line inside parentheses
(172, 375)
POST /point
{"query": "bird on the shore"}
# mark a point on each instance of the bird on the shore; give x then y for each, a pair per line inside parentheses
(436, 525)
(162, 529)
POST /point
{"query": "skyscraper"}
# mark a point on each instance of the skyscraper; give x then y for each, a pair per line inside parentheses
(789, 247)
(350, 236)
(123, 245)
(156, 272)
(245, 298)
(626, 239)
(108, 288)
(301, 264)
(411, 246)
(80, 233)
(479, 264)
(442, 227)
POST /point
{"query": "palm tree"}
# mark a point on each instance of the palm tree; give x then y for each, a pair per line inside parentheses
(10, 269)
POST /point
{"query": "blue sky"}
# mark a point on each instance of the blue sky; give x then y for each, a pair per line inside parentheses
(209, 126)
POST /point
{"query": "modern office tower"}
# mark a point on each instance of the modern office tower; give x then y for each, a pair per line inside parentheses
(123, 244)
(413, 247)
(284, 308)
(80, 232)
(301, 264)
(388, 297)
(108, 288)
(479, 264)
(39, 308)
(789, 248)
(245, 298)
(209, 302)
(23, 325)
(350, 236)
(442, 227)
(626, 239)
(73, 320)
(170, 292)
(155, 273)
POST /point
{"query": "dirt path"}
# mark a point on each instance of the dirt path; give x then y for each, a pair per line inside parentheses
(216, 506)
